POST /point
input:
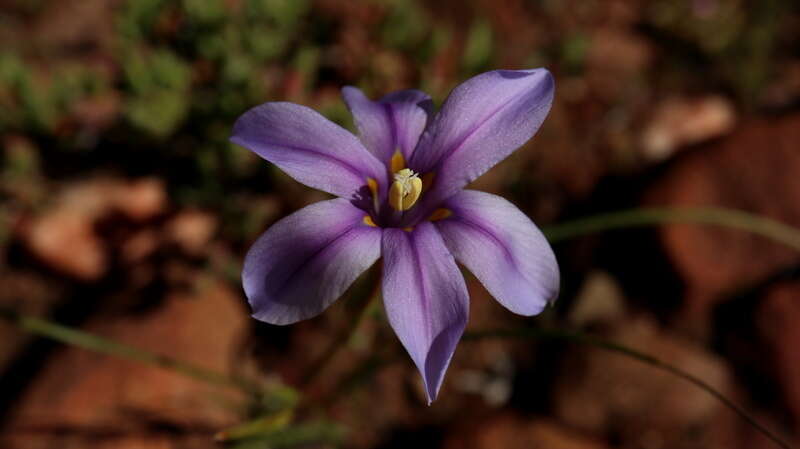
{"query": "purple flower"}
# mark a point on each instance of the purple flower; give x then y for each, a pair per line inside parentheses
(401, 197)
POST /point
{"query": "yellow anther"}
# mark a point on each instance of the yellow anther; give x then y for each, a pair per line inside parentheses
(405, 190)
(408, 228)
(396, 195)
(412, 197)
(369, 221)
(373, 186)
(440, 214)
(398, 162)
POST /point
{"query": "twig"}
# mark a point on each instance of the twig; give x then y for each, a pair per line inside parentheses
(359, 304)
(92, 342)
(582, 338)
(731, 218)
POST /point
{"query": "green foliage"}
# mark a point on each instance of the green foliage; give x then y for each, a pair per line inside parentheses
(742, 43)
(74, 82)
(478, 50)
(265, 44)
(11, 71)
(37, 101)
(204, 12)
(234, 43)
(280, 13)
(573, 52)
(161, 69)
(139, 17)
(159, 91)
(306, 63)
(299, 435)
(270, 25)
(406, 27)
(157, 113)
(25, 99)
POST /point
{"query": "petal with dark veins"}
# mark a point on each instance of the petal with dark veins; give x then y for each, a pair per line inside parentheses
(426, 299)
(310, 148)
(305, 261)
(503, 249)
(393, 123)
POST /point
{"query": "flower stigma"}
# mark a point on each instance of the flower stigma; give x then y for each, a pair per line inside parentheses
(405, 190)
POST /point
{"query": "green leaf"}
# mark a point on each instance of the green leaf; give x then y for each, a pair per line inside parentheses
(284, 13)
(159, 113)
(297, 435)
(478, 50)
(204, 12)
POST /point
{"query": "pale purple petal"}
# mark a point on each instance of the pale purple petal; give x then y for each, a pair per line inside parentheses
(503, 249)
(393, 123)
(307, 260)
(425, 298)
(482, 121)
(309, 147)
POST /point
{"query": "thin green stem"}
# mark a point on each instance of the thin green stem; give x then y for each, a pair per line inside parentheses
(586, 339)
(96, 343)
(731, 218)
(359, 305)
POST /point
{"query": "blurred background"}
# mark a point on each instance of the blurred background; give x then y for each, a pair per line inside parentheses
(126, 213)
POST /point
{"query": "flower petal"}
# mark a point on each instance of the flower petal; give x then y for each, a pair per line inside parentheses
(482, 121)
(425, 298)
(310, 148)
(395, 122)
(307, 260)
(503, 249)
